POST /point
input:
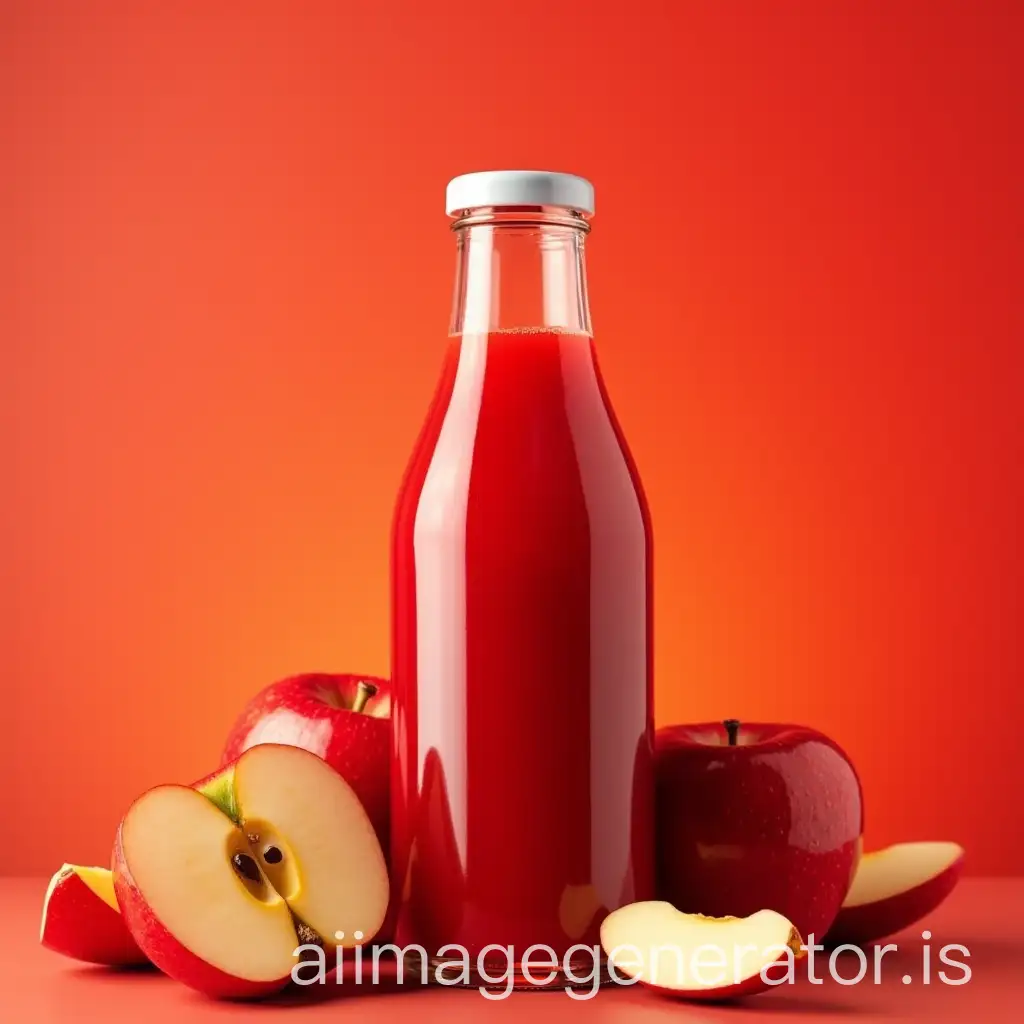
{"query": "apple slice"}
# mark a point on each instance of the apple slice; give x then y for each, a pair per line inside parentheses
(895, 887)
(220, 885)
(691, 956)
(81, 919)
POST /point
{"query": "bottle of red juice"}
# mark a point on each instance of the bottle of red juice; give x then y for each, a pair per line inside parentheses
(522, 805)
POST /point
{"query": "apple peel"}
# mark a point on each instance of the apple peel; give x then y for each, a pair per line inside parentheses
(82, 920)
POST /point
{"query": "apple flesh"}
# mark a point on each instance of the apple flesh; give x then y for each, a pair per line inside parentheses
(690, 956)
(343, 719)
(221, 884)
(81, 919)
(894, 888)
(756, 815)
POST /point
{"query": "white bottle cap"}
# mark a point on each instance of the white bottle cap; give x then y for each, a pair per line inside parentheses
(519, 188)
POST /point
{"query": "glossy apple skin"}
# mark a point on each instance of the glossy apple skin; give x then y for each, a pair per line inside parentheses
(309, 711)
(82, 926)
(772, 823)
(859, 926)
(167, 953)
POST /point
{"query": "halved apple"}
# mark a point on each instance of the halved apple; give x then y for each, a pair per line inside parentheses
(895, 887)
(219, 885)
(691, 956)
(81, 919)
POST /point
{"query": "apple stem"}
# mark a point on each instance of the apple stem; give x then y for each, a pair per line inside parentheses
(364, 692)
(732, 727)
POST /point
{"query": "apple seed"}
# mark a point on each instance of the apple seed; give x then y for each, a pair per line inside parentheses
(246, 867)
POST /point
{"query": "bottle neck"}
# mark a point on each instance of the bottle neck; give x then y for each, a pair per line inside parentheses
(520, 268)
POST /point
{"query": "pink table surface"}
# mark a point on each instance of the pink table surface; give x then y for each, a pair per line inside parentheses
(985, 915)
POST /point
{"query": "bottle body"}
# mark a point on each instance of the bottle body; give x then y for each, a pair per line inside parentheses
(522, 788)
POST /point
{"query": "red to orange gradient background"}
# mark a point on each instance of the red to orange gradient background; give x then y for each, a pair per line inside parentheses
(224, 294)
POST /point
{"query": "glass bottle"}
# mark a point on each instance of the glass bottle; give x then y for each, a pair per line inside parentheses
(522, 805)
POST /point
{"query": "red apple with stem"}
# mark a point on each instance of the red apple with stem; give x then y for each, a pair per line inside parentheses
(753, 817)
(343, 719)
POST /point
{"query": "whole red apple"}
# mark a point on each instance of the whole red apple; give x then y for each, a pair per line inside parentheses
(753, 817)
(343, 719)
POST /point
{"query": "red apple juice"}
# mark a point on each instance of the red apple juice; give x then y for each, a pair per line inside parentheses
(522, 780)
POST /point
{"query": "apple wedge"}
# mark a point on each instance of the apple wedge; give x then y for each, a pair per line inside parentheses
(690, 956)
(81, 919)
(220, 885)
(893, 888)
